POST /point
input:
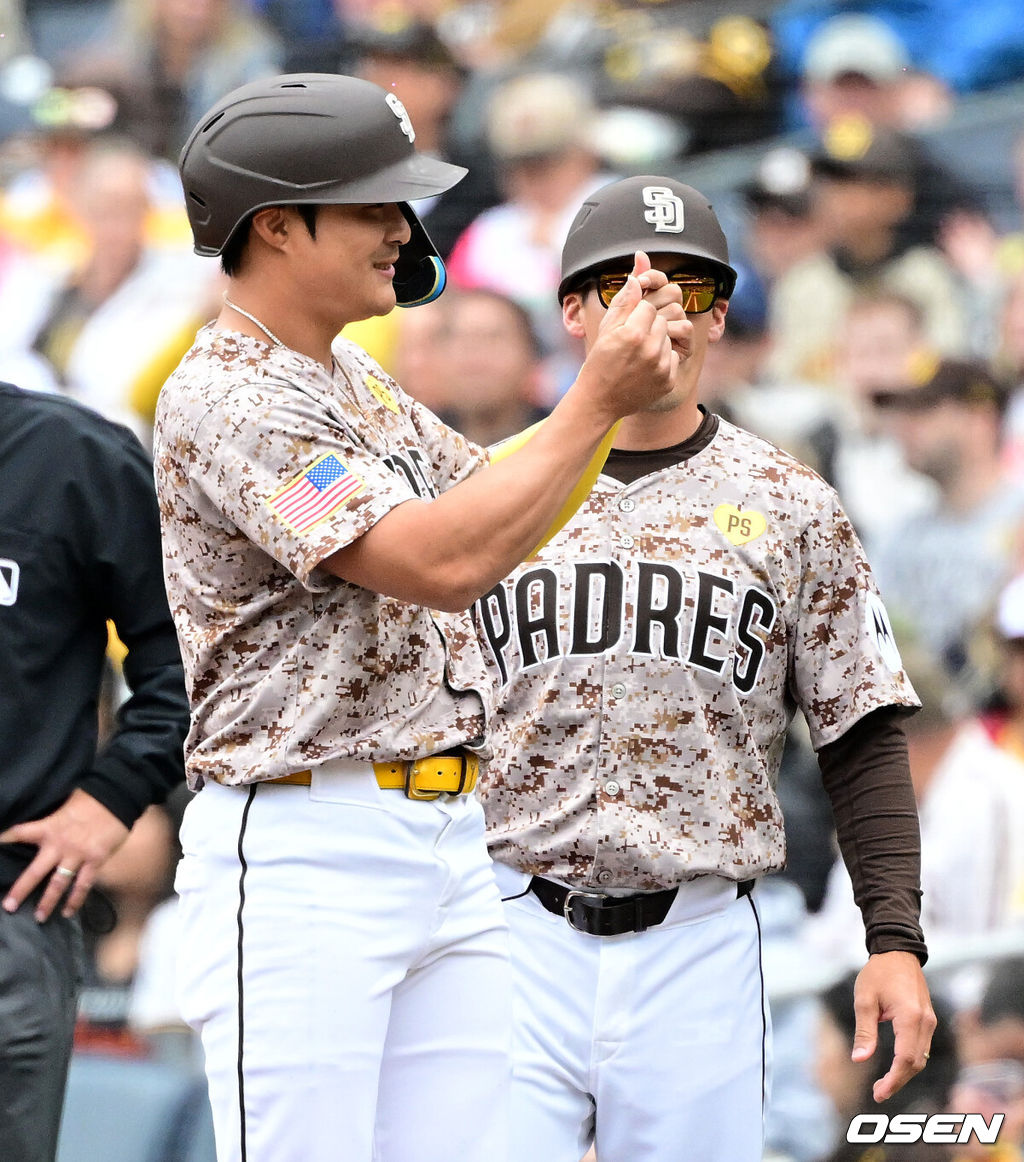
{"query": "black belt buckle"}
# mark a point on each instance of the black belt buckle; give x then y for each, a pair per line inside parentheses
(580, 897)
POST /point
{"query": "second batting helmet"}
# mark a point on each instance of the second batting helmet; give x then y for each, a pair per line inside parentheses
(653, 214)
(312, 139)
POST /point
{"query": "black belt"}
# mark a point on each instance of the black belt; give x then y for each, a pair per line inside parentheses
(597, 914)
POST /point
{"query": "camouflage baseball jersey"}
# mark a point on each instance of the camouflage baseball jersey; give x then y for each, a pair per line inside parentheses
(266, 465)
(651, 658)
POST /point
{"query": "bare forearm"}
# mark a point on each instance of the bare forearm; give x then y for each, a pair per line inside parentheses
(447, 552)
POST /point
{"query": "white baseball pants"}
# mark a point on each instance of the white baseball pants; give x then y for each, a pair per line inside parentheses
(655, 1046)
(345, 957)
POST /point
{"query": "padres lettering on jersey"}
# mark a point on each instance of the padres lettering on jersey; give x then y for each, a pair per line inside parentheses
(651, 659)
(645, 608)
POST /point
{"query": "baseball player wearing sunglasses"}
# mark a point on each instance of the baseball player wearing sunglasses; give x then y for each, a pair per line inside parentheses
(651, 658)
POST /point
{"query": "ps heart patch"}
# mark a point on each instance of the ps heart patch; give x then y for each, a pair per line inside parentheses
(383, 393)
(739, 526)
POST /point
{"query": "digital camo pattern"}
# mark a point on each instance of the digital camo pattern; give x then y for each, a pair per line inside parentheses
(651, 659)
(287, 666)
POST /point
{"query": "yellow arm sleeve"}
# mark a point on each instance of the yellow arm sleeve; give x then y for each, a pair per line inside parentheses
(582, 487)
(147, 383)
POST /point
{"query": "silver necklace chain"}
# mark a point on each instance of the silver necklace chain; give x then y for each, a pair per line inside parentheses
(252, 319)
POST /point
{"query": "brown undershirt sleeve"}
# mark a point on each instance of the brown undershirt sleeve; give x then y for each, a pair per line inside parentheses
(866, 773)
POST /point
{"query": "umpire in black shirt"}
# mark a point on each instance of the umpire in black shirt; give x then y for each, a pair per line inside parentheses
(79, 546)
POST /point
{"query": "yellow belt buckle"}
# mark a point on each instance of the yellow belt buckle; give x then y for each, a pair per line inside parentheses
(412, 791)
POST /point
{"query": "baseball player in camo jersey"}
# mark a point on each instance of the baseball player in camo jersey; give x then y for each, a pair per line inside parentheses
(651, 657)
(343, 949)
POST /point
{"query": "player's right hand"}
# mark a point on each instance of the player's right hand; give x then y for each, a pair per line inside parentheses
(633, 362)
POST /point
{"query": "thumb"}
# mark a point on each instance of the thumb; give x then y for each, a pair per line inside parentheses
(641, 263)
(865, 1039)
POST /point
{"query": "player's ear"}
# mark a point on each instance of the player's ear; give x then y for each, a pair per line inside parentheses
(572, 314)
(718, 313)
(272, 224)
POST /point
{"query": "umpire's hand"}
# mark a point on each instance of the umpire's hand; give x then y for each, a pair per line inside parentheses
(74, 843)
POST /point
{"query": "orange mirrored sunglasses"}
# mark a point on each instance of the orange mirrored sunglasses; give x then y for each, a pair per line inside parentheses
(699, 290)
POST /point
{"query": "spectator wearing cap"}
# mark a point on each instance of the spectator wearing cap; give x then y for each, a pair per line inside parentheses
(786, 242)
(880, 346)
(969, 47)
(710, 68)
(863, 189)
(54, 138)
(405, 54)
(941, 568)
(538, 130)
(867, 180)
(853, 63)
(857, 65)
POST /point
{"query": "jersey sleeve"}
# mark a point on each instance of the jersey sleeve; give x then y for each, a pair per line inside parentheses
(294, 479)
(452, 456)
(846, 662)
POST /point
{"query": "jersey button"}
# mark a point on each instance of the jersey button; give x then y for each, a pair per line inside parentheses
(603, 877)
(627, 504)
(612, 787)
(618, 690)
(626, 542)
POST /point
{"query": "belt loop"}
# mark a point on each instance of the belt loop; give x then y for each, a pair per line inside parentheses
(467, 773)
(463, 771)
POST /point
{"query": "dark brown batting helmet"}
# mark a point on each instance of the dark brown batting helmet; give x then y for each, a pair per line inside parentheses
(654, 214)
(312, 139)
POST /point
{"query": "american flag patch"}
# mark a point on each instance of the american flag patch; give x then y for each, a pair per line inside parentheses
(324, 486)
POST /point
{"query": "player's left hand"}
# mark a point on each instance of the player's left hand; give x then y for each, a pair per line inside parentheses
(667, 299)
(891, 987)
(73, 844)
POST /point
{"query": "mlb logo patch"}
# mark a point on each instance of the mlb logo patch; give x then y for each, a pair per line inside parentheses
(312, 496)
(9, 574)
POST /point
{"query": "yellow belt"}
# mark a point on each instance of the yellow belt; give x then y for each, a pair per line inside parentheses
(419, 779)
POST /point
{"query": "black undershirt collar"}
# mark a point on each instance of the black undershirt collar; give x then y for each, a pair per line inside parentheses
(625, 466)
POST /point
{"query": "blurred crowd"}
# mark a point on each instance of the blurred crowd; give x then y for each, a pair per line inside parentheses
(867, 159)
